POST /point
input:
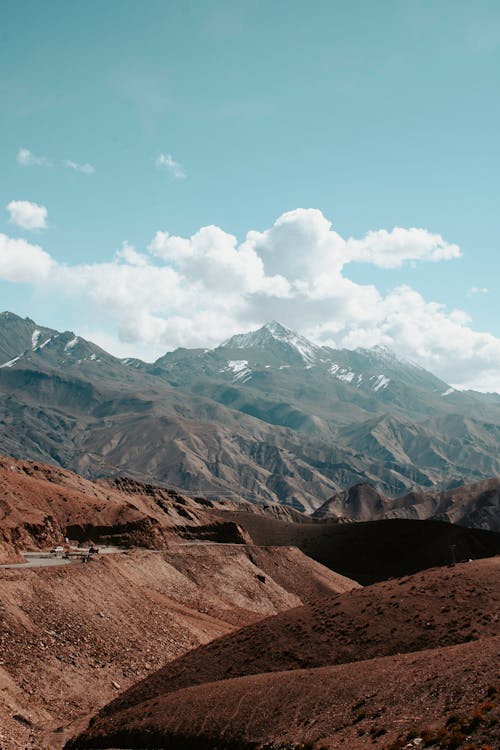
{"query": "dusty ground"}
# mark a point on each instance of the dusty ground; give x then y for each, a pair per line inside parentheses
(74, 636)
(428, 612)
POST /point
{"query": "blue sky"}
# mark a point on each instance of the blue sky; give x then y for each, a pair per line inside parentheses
(378, 115)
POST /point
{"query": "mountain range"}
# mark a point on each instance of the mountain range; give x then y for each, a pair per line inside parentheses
(267, 416)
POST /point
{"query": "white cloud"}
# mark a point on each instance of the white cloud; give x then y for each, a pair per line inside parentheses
(198, 290)
(22, 262)
(392, 249)
(84, 168)
(27, 159)
(167, 161)
(27, 215)
(478, 290)
(128, 254)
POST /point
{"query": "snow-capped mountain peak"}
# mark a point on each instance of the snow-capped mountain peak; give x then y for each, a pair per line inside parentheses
(270, 334)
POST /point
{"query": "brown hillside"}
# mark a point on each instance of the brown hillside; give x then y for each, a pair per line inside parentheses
(350, 706)
(68, 634)
(474, 505)
(436, 608)
(41, 504)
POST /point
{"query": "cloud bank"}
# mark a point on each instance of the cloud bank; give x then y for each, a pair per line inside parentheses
(198, 290)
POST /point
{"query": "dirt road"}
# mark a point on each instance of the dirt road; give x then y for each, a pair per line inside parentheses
(46, 560)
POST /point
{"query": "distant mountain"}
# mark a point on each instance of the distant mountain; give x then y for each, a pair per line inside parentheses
(266, 416)
(475, 505)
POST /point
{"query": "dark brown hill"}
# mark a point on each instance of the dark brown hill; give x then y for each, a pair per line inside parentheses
(375, 550)
(433, 609)
(381, 703)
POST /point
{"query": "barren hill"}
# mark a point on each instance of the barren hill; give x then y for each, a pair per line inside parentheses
(474, 505)
(425, 699)
(331, 671)
(72, 636)
(374, 550)
(435, 608)
(40, 505)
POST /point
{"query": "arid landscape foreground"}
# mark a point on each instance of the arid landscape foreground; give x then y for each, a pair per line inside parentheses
(210, 625)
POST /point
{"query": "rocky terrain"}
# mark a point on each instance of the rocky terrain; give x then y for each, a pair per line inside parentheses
(40, 505)
(266, 416)
(408, 658)
(475, 505)
(71, 637)
(266, 588)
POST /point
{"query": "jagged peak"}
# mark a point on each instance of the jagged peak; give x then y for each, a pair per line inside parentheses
(379, 350)
(268, 334)
(7, 315)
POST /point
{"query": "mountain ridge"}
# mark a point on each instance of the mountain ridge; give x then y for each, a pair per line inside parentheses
(280, 420)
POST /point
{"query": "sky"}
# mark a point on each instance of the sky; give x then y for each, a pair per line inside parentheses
(172, 173)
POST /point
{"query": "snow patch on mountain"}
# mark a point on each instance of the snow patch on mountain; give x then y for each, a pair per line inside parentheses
(71, 344)
(11, 361)
(342, 373)
(381, 382)
(240, 370)
(448, 392)
(43, 345)
(35, 337)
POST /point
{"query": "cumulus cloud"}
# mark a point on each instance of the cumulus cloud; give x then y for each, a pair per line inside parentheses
(27, 215)
(167, 161)
(128, 254)
(392, 249)
(198, 290)
(84, 168)
(22, 262)
(27, 159)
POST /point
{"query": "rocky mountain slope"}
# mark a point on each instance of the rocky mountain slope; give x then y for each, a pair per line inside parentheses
(40, 505)
(474, 505)
(266, 416)
(335, 673)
